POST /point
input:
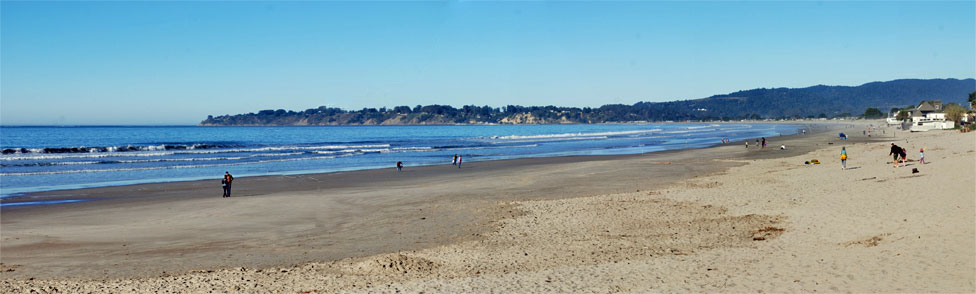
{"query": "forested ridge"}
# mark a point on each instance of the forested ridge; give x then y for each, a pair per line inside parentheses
(775, 103)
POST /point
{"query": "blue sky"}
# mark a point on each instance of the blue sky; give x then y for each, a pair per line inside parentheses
(177, 62)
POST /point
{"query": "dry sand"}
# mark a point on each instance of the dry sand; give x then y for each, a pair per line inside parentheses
(732, 221)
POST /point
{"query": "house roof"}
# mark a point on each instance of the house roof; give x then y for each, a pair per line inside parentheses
(930, 106)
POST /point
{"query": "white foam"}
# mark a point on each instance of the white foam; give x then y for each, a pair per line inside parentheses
(156, 167)
(282, 148)
(81, 155)
(572, 136)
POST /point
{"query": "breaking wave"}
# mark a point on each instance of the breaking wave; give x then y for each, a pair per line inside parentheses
(126, 148)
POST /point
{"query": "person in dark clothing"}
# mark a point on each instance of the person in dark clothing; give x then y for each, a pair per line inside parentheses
(229, 179)
(895, 152)
(399, 165)
(223, 184)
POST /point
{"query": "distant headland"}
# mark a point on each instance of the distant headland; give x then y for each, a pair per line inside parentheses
(776, 103)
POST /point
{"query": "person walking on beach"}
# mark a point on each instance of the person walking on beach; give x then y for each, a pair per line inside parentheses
(895, 152)
(763, 143)
(399, 166)
(454, 162)
(921, 155)
(843, 157)
(747, 144)
(459, 161)
(757, 142)
(229, 179)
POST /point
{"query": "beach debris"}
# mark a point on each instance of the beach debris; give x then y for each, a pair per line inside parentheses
(395, 263)
(767, 233)
(871, 178)
(869, 242)
(8, 267)
(914, 170)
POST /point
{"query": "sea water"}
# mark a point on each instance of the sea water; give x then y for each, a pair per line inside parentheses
(52, 158)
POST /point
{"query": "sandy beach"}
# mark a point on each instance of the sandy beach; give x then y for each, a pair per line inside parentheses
(721, 219)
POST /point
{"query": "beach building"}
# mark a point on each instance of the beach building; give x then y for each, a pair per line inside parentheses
(968, 118)
(928, 115)
(892, 118)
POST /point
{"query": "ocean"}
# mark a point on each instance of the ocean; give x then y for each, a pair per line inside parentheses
(38, 159)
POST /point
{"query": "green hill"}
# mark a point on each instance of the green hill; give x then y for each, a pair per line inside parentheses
(815, 101)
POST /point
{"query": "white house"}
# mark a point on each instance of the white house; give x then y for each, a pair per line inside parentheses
(928, 115)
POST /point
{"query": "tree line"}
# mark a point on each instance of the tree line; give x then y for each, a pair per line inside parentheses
(778, 103)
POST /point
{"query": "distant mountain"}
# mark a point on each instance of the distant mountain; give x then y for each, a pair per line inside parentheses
(815, 101)
(833, 100)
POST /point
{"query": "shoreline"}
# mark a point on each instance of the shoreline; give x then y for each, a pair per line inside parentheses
(729, 220)
(11, 193)
(183, 226)
(61, 194)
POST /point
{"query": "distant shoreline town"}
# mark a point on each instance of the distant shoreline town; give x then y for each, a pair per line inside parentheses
(824, 102)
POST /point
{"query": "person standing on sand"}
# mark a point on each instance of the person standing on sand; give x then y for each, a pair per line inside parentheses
(747, 144)
(763, 143)
(229, 179)
(223, 184)
(921, 155)
(843, 157)
(459, 161)
(399, 166)
(454, 162)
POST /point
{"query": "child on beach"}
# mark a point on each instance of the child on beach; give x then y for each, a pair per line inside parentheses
(223, 184)
(921, 155)
(459, 161)
(747, 144)
(843, 157)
